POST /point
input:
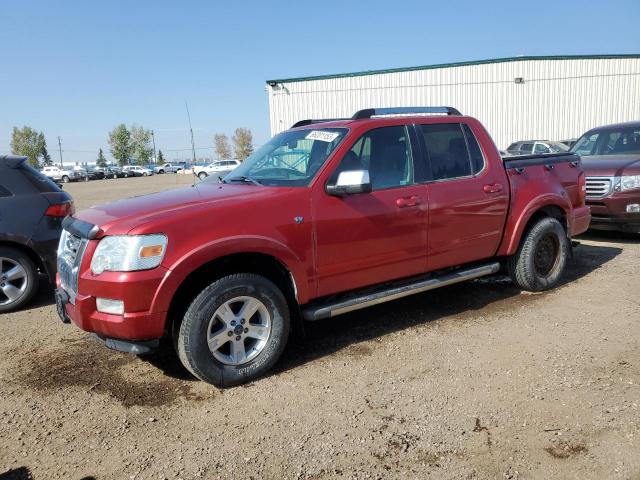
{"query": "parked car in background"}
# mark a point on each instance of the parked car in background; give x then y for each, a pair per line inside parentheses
(136, 171)
(95, 173)
(110, 172)
(611, 160)
(367, 210)
(170, 168)
(536, 147)
(220, 167)
(64, 175)
(32, 207)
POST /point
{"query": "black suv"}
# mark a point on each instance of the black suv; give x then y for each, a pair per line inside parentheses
(32, 208)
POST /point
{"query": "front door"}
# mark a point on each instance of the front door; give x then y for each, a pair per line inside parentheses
(369, 238)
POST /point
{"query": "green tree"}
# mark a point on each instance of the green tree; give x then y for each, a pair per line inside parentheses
(243, 143)
(46, 158)
(101, 161)
(160, 158)
(221, 143)
(140, 144)
(120, 144)
(27, 142)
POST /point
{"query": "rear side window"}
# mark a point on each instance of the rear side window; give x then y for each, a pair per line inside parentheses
(40, 182)
(513, 147)
(477, 160)
(447, 148)
(526, 148)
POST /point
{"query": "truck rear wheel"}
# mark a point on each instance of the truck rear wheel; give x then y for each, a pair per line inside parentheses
(235, 330)
(541, 258)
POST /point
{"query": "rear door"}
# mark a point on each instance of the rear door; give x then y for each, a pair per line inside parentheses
(468, 195)
(374, 237)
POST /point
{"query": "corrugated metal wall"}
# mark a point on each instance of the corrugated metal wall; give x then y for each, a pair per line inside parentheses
(559, 99)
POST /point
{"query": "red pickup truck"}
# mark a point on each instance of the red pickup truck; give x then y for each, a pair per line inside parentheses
(326, 218)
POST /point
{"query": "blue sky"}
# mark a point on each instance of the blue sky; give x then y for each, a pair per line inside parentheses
(78, 68)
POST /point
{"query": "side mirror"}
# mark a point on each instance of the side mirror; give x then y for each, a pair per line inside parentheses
(350, 183)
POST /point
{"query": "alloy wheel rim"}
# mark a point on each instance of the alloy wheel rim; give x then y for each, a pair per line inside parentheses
(13, 281)
(239, 330)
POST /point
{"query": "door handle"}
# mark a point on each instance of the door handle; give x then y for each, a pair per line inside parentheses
(492, 188)
(405, 202)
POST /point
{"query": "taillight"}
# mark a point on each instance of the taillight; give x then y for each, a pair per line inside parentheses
(60, 210)
(582, 186)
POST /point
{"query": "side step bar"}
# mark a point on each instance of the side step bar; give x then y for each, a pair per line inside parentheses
(327, 310)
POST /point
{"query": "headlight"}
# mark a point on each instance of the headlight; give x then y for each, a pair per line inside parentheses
(128, 253)
(629, 182)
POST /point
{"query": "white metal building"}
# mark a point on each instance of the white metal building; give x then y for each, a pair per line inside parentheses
(520, 98)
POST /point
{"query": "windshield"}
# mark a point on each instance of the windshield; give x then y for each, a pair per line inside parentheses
(616, 141)
(289, 159)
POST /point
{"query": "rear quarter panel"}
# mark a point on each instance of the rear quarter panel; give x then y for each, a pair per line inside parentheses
(535, 188)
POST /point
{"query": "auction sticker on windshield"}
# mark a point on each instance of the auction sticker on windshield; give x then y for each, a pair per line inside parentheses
(322, 136)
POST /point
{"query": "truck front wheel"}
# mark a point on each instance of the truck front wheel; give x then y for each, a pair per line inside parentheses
(541, 258)
(235, 330)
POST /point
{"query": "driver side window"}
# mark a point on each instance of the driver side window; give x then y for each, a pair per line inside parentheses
(385, 153)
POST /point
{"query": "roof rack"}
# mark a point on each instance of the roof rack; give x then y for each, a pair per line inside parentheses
(311, 121)
(377, 112)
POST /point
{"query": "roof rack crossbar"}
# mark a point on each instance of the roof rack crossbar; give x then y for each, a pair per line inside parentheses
(377, 112)
(311, 121)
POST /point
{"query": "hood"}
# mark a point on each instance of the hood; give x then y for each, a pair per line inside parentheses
(122, 216)
(611, 165)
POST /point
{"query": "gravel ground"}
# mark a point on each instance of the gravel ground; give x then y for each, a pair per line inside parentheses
(472, 381)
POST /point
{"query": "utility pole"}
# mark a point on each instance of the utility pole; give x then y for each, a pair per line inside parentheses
(153, 137)
(193, 146)
(60, 150)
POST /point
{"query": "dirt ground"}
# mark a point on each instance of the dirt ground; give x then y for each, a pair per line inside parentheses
(474, 381)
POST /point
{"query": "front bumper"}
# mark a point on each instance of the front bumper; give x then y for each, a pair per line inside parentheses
(617, 224)
(141, 321)
(610, 213)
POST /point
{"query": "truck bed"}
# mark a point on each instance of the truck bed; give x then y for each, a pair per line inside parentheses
(522, 161)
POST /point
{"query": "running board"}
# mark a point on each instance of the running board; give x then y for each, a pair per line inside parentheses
(327, 310)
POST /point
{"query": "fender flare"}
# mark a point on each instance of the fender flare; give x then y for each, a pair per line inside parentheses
(513, 233)
(194, 259)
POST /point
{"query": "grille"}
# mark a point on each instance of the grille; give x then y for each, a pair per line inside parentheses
(70, 252)
(599, 187)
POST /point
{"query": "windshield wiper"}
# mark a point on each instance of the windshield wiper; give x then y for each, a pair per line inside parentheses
(243, 179)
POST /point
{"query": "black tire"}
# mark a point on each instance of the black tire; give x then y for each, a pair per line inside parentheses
(65, 179)
(541, 258)
(31, 279)
(160, 172)
(192, 346)
(202, 175)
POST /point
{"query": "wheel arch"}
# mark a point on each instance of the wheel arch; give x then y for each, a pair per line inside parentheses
(549, 207)
(35, 258)
(258, 263)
